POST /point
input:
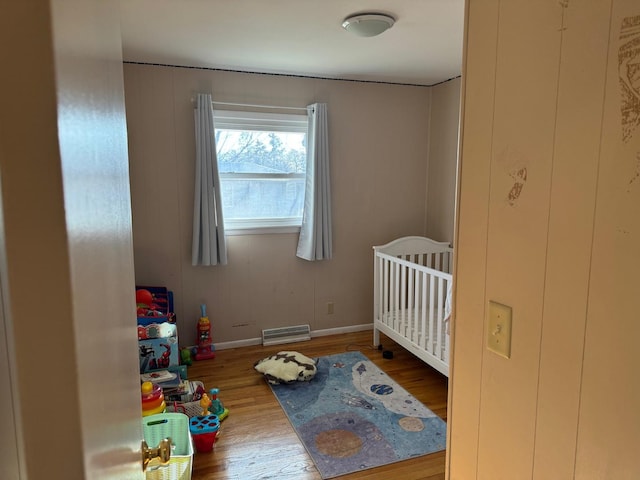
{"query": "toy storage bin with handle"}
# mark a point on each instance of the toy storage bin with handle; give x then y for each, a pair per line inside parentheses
(174, 426)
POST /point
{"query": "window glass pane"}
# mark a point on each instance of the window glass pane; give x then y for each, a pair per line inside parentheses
(244, 199)
(262, 169)
(241, 151)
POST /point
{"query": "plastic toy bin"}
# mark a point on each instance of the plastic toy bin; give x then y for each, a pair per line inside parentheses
(204, 431)
(175, 426)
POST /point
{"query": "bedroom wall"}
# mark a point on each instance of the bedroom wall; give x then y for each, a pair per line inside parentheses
(378, 149)
(549, 224)
(443, 159)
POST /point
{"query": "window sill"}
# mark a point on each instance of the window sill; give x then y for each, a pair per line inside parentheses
(232, 232)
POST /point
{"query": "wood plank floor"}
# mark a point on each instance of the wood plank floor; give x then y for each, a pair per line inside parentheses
(257, 440)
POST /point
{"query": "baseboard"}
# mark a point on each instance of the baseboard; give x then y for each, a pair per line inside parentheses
(339, 330)
(314, 333)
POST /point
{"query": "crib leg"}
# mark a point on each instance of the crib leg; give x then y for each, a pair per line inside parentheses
(376, 337)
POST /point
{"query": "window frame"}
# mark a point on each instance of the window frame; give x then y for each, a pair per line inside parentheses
(245, 120)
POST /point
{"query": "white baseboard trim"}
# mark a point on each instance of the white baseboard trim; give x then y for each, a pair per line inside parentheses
(238, 343)
(339, 330)
(314, 333)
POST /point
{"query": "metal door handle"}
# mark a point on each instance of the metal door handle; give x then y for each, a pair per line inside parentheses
(162, 453)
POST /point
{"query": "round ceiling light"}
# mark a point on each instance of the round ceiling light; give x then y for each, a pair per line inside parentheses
(368, 24)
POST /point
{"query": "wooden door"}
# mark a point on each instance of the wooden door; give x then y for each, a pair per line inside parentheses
(66, 253)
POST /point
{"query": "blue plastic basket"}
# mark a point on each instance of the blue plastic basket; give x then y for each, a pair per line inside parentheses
(174, 426)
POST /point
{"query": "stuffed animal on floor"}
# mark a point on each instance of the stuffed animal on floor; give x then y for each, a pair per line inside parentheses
(286, 367)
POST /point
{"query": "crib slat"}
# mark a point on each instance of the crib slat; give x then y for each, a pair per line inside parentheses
(432, 317)
(439, 347)
(402, 327)
(423, 311)
(417, 310)
(380, 288)
(390, 294)
(445, 326)
(385, 293)
(410, 304)
(396, 294)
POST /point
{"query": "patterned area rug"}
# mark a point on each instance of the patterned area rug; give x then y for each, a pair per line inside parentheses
(352, 416)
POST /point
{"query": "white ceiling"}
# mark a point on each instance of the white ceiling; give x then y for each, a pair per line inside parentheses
(298, 37)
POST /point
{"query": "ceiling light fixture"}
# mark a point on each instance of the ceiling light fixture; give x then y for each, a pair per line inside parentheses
(368, 24)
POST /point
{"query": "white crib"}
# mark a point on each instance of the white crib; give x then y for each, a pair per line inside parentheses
(412, 297)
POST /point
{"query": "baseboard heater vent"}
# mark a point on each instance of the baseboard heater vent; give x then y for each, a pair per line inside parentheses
(277, 336)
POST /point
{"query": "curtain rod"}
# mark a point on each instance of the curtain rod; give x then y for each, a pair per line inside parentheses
(258, 106)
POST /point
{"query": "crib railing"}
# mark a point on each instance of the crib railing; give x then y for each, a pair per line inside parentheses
(412, 302)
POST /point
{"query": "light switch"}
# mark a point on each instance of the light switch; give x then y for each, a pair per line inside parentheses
(499, 334)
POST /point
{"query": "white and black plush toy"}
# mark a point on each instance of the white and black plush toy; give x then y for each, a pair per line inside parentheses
(286, 367)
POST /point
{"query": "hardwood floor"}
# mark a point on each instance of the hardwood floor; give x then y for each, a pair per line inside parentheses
(256, 439)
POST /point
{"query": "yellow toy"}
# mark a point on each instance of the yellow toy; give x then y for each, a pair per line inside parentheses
(205, 403)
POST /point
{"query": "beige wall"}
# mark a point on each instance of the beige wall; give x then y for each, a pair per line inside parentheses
(378, 148)
(443, 160)
(548, 224)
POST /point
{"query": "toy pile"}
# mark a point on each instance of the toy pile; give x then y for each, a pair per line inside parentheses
(165, 389)
(175, 387)
(157, 330)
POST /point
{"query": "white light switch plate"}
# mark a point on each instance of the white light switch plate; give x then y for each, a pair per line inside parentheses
(499, 333)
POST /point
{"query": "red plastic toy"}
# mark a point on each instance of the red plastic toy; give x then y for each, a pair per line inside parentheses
(204, 431)
(144, 297)
(205, 348)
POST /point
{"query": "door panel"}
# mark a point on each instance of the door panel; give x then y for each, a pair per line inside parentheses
(67, 257)
(95, 177)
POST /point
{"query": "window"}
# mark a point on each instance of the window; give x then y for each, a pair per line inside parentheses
(262, 161)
